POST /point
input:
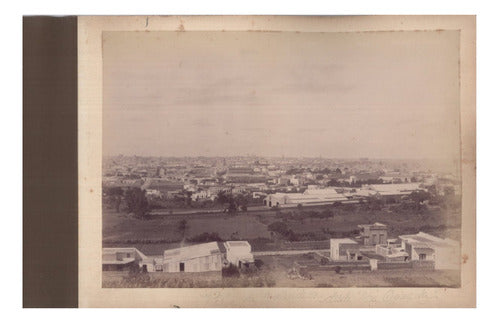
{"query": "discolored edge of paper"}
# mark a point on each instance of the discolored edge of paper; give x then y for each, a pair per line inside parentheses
(91, 294)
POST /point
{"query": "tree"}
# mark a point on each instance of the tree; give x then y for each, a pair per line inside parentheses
(241, 202)
(206, 237)
(278, 227)
(182, 226)
(374, 204)
(188, 195)
(259, 263)
(232, 205)
(137, 203)
(221, 198)
(231, 271)
(115, 194)
(419, 196)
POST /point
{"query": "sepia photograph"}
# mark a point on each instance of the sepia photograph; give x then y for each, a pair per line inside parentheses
(278, 159)
(299, 154)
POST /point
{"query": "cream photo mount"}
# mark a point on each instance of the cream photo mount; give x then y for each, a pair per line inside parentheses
(90, 98)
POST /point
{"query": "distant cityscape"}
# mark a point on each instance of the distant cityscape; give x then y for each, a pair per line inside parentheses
(202, 179)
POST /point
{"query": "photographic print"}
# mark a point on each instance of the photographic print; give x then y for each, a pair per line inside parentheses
(270, 159)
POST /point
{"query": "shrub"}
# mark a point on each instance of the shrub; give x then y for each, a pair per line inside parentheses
(259, 263)
(231, 271)
(206, 237)
(259, 282)
(270, 282)
(249, 271)
(279, 227)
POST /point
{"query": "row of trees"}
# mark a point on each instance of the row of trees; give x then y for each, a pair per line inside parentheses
(137, 203)
(134, 197)
(233, 202)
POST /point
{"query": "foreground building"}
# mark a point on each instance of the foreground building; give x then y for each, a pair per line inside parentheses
(117, 259)
(205, 257)
(196, 258)
(344, 250)
(239, 253)
(420, 250)
(422, 246)
(373, 234)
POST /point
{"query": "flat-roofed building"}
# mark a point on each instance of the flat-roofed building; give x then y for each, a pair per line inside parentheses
(373, 234)
(239, 253)
(422, 246)
(392, 252)
(344, 250)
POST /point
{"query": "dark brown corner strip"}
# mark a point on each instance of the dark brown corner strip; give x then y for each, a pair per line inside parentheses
(50, 181)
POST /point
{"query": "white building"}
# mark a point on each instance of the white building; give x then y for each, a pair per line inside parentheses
(122, 258)
(201, 195)
(393, 189)
(296, 181)
(311, 196)
(195, 258)
(153, 193)
(238, 253)
(344, 249)
(422, 246)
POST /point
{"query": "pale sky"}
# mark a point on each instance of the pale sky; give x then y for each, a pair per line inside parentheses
(339, 95)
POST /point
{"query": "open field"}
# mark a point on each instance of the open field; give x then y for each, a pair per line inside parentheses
(154, 235)
(159, 233)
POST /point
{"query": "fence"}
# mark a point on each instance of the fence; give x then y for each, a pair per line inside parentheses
(394, 265)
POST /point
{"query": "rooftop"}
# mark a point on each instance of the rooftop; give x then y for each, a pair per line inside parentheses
(424, 250)
(194, 251)
(423, 239)
(237, 243)
(395, 187)
(374, 225)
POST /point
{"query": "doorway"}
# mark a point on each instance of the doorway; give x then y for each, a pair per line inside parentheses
(181, 266)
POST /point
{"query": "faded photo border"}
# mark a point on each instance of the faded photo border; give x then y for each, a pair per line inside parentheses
(90, 88)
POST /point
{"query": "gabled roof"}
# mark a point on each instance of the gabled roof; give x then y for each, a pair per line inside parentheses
(190, 252)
